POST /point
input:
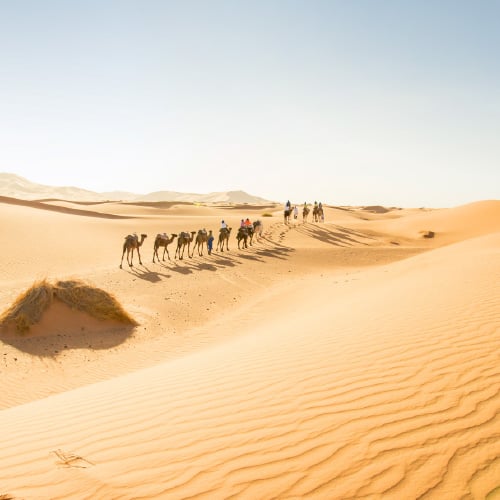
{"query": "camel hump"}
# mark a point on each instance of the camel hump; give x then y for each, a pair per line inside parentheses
(162, 236)
(132, 236)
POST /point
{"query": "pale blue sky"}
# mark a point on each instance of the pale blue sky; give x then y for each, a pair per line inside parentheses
(392, 102)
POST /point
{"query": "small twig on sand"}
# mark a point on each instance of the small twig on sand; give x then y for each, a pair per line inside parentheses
(71, 460)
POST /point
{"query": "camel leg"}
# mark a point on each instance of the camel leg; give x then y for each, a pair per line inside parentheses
(124, 250)
(130, 257)
(166, 250)
(155, 251)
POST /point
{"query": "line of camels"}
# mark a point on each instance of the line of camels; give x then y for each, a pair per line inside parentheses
(244, 237)
(318, 214)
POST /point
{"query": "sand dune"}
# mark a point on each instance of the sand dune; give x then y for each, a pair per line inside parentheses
(350, 359)
(450, 225)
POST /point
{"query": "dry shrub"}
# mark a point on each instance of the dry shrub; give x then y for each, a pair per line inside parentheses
(93, 301)
(29, 307)
(428, 234)
(267, 214)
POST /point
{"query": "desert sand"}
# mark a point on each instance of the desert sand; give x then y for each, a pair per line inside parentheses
(354, 358)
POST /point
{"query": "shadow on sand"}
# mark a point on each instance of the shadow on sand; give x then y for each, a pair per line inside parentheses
(53, 345)
(337, 236)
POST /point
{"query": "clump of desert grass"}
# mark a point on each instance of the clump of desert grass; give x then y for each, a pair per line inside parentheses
(267, 214)
(29, 307)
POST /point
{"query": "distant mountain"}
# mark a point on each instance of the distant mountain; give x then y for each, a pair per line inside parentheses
(227, 196)
(18, 187)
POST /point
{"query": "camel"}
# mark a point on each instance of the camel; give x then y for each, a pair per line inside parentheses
(305, 214)
(162, 240)
(200, 241)
(318, 214)
(287, 214)
(224, 233)
(242, 236)
(251, 232)
(130, 244)
(258, 229)
(183, 240)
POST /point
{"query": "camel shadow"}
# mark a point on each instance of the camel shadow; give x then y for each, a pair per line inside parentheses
(51, 346)
(203, 266)
(181, 269)
(224, 262)
(340, 236)
(146, 274)
(251, 257)
(281, 252)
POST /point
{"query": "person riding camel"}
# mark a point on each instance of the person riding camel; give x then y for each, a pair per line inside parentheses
(247, 222)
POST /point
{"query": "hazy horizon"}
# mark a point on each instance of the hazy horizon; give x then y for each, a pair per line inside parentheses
(351, 103)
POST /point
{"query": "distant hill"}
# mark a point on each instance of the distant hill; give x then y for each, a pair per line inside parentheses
(15, 186)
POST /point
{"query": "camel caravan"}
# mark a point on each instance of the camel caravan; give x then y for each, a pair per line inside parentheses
(318, 214)
(200, 239)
